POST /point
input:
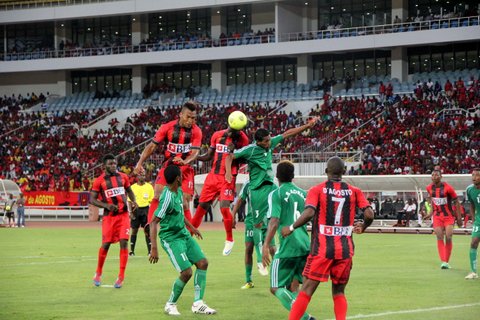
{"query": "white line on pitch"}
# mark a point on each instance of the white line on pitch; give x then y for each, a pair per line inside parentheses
(388, 313)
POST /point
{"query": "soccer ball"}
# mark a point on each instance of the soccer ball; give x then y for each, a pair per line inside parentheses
(237, 120)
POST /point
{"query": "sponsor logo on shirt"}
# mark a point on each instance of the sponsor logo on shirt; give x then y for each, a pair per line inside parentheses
(179, 148)
(334, 231)
(114, 192)
(221, 148)
(440, 201)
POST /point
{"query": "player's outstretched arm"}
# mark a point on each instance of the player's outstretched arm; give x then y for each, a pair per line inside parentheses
(228, 167)
(153, 239)
(206, 156)
(146, 153)
(272, 228)
(235, 209)
(192, 157)
(306, 216)
(294, 131)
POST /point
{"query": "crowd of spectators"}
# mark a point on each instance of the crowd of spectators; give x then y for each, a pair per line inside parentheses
(400, 135)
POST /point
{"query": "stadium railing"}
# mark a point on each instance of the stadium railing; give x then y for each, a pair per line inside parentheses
(381, 29)
(249, 40)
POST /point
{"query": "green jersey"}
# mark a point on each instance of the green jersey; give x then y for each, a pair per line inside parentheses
(473, 195)
(170, 212)
(286, 203)
(245, 196)
(259, 161)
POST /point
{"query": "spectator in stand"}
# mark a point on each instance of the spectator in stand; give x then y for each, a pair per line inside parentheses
(21, 211)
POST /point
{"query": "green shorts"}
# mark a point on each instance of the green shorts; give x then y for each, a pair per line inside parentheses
(259, 203)
(255, 235)
(476, 230)
(183, 252)
(284, 270)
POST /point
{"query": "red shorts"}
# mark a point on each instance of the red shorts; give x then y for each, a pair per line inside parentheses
(443, 221)
(216, 186)
(187, 179)
(319, 269)
(115, 228)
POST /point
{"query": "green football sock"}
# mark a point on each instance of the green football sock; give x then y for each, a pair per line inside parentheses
(286, 298)
(248, 273)
(258, 243)
(473, 260)
(258, 252)
(199, 283)
(177, 290)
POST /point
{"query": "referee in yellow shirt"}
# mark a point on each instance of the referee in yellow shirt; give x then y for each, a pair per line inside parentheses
(144, 194)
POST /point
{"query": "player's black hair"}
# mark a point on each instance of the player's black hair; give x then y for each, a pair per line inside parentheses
(107, 157)
(190, 105)
(285, 171)
(261, 133)
(171, 173)
(437, 170)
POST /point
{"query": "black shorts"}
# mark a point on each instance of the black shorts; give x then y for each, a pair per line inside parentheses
(10, 214)
(140, 218)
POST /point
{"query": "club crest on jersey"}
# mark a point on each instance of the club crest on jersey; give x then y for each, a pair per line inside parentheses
(222, 148)
(440, 201)
(178, 148)
(109, 193)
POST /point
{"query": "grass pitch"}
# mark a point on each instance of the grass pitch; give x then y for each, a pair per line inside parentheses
(47, 274)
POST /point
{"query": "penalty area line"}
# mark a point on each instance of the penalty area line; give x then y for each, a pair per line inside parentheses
(388, 313)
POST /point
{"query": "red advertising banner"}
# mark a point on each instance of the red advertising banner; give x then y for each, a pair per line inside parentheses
(56, 199)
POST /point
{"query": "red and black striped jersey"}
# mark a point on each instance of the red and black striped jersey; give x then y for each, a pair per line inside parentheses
(178, 140)
(112, 190)
(335, 204)
(442, 198)
(220, 142)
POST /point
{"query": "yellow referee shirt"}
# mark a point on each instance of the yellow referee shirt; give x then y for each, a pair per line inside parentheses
(143, 194)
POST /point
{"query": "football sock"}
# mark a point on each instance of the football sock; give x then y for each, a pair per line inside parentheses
(441, 250)
(102, 255)
(286, 298)
(177, 290)
(448, 250)
(299, 306)
(198, 217)
(227, 222)
(188, 214)
(133, 239)
(199, 283)
(123, 262)
(340, 306)
(152, 208)
(258, 252)
(473, 260)
(248, 272)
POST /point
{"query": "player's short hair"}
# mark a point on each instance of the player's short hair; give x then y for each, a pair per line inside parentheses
(261, 133)
(190, 105)
(437, 170)
(171, 173)
(107, 157)
(335, 166)
(285, 171)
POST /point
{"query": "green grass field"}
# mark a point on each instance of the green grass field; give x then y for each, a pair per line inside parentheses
(46, 274)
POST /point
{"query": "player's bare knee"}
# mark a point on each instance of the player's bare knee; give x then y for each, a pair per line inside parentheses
(338, 289)
(185, 275)
(202, 264)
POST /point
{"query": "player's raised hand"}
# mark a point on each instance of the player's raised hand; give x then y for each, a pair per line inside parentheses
(138, 170)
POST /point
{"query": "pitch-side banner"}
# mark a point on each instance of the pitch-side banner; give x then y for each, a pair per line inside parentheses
(56, 199)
